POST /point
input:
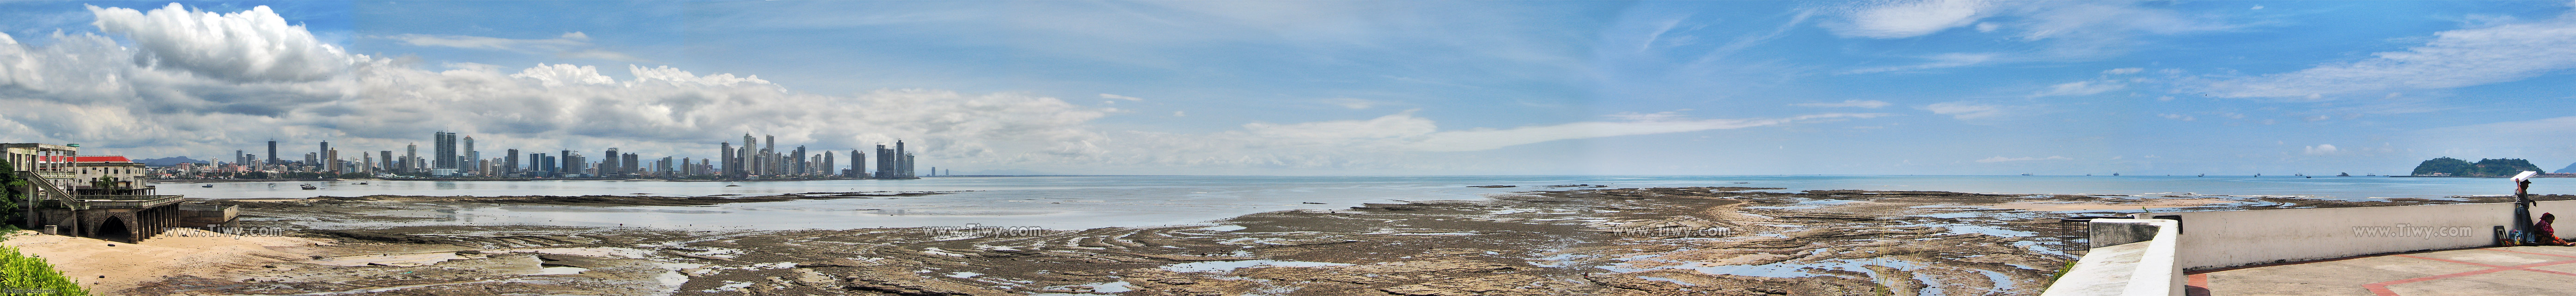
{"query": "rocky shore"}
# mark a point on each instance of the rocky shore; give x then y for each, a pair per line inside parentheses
(1578, 241)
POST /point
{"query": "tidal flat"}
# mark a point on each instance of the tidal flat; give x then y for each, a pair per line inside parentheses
(1553, 241)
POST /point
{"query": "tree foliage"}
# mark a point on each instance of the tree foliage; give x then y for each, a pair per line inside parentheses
(9, 210)
(2499, 167)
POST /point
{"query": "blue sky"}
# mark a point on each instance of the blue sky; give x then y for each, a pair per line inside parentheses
(1342, 87)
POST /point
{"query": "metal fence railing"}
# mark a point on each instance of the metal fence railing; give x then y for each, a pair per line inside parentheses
(2075, 235)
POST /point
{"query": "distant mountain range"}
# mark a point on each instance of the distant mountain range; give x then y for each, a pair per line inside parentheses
(2571, 168)
(167, 161)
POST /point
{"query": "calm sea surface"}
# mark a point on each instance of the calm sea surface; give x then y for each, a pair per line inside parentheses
(1112, 201)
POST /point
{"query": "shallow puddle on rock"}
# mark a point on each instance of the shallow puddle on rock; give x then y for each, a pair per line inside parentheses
(1228, 266)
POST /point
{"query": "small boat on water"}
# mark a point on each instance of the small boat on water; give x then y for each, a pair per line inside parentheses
(733, 185)
(310, 187)
(207, 186)
(362, 183)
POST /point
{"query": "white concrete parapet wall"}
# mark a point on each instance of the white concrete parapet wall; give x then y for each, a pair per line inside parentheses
(2236, 238)
(2143, 268)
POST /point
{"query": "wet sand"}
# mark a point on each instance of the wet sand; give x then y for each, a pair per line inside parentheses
(1579, 241)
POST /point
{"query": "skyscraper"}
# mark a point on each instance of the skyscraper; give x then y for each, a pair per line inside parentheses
(444, 146)
(885, 163)
(513, 162)
(411, 158)
(272, 151)
(769, 155)
(858, 164)
(610, 167)
(387, 165)
(800, 161)
(566, 165)
(630, 166)
(471, 159)
(727, 150)
(540, 164)
(331, 161)
(904, 168)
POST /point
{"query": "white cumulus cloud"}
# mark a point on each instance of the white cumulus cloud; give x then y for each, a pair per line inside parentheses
(2320, 149)
(254, 45)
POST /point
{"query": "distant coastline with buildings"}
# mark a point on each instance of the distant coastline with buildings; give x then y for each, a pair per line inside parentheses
(455, 157)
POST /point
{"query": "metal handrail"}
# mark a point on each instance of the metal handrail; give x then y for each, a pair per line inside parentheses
(131, 204)
(123, 197)
(46, 189)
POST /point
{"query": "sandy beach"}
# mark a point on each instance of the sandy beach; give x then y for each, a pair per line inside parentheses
(1569, 241)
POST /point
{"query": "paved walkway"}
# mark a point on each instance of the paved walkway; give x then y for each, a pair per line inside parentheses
(2481, 271)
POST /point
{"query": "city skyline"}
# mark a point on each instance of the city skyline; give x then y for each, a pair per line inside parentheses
(765, 162)
(1331, 88)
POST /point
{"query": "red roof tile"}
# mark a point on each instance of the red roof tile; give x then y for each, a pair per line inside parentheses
(90, 159)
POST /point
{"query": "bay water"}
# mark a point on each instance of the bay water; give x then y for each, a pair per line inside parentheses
(1078, 202)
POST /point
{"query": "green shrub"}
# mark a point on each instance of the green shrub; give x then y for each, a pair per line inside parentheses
(19, 272)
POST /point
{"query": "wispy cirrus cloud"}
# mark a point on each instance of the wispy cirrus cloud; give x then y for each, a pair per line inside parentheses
(2024, 158)
(1965, 110)
(1946, 60)
(1846, 104)
(2080, 88)
(2455, 58)
(568, 45)
(1352, 103)
(2059, 30)
(1901, 19)
(1639, 124)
